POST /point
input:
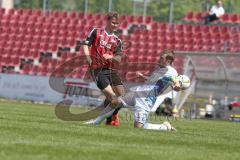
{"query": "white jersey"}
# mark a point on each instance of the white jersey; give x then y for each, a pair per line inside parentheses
(157, 74)
(144, 96)
(219, 11)
(162, 71)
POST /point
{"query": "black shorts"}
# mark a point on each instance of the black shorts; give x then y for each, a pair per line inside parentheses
(104, 77)
(210, 18)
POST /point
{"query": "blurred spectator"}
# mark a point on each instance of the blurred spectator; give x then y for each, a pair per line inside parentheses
(215, 13)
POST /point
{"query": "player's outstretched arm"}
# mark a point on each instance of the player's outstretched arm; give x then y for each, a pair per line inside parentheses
(139, 74)
(87, 54)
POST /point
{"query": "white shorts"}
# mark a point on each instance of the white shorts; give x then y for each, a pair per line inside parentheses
(140, 115)
(140, 108)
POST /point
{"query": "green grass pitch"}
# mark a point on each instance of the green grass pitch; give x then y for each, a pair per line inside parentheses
(33, 132)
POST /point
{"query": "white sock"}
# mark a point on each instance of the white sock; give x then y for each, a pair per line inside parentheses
(108, 111)
(151, 126)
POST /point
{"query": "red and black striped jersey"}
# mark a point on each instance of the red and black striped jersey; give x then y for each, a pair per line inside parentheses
(102, 43)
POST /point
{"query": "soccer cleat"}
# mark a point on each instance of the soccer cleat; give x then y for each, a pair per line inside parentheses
(114, 121)
(108, 121)
(169, 126)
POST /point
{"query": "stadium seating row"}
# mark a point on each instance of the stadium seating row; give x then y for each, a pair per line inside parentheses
(31, 41)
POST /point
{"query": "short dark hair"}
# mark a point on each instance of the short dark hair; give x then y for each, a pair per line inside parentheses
(169, 54)
(112, 15)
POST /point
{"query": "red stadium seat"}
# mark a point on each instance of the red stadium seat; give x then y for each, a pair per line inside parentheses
(124, 25)
(148, 19)
(81, 15)
(189, 16)
(234, 49)
(131, 19)
(10, 11)
(215, 29)
(5, 61)
(43, 47)
(15, 61)
(223, 30)
(53, 47)
(139, 19)
(197, 17)
(44, 62)
(196, 29)
(26, 69)
(43, 71)
(234, 18)
(2, 11)
(63, 14)
(225, 18)
(123, 18)
(205, 29)
(53, 63)
(34, 54)
(89, 16)
(34, 70)
(73, 15)
(37, 13)
(179, 28)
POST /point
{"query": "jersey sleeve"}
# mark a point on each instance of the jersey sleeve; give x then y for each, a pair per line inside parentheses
(173, 79)
(91, 37)
(171, 71)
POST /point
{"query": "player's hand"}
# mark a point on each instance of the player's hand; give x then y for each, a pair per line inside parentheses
(139, 74)
(177, 86)
(107, 56)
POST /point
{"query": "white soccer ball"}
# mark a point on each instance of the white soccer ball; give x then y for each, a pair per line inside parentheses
(185, 81)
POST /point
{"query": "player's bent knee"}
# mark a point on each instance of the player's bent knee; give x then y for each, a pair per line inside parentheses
(115, 103)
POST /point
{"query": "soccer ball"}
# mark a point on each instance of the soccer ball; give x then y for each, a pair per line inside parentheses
(185, 81)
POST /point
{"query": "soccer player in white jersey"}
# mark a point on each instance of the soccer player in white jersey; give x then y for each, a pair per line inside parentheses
(143, 98)
(164, 69)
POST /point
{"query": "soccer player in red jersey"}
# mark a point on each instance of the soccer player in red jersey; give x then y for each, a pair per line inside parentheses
(102, 49)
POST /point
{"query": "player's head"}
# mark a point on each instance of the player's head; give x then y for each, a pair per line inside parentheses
(184, 82)
(112, 21)
(166, 58)
(219, 3)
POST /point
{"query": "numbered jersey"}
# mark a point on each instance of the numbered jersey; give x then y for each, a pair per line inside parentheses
(102, 43)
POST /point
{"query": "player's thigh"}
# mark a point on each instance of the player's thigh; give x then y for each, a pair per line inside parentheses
(109, 93)
(119, 90)
(117, 84)
(101, 79)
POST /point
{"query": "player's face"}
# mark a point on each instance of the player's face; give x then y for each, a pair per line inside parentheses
(113, 24)
(219, 3)
(163, 61)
